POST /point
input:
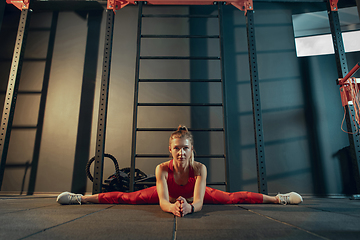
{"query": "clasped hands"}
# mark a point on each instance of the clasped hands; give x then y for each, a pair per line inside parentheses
(181, 207)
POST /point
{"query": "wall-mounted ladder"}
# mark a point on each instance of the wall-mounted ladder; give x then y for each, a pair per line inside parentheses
(138, 80)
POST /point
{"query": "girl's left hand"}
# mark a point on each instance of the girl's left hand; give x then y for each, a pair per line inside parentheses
(185, 207)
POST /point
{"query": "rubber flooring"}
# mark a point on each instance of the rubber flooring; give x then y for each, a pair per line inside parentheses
(40, 217)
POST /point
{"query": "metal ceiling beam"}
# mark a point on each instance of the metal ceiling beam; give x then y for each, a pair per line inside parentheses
(87, 5)
(68, 5)
(104, 2)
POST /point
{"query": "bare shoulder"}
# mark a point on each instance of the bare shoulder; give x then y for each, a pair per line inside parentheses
(162, 168)
(199, 169)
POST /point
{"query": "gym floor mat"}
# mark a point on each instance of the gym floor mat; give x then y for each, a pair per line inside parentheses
(34, 217)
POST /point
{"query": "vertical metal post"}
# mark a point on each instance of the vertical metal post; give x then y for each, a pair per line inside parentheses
(225, 116)
(104, 95)
(255, 94)
(136, 98)
(342, 69)
(2, 10)
(340, 57)
(12, 89)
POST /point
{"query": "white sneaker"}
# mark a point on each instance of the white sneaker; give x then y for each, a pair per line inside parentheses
(69, 198)
(290, 198)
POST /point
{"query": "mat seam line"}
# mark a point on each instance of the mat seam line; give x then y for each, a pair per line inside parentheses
(175, 228)
(285, 223)
(319, 209)
(72, 220)
(28, 209)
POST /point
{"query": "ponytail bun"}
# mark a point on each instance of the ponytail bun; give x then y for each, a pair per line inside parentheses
(182, 128)
(182, 131)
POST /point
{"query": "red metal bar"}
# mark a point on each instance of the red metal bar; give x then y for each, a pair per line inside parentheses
(333, 4)
(116, 4)
(352, 72)
(345, 91)
(243, 5)
(20, 4)
(345, 96)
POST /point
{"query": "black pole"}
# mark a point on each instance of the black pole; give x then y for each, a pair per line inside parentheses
(136, 99)
(83, 140)
(104, 96)
(255, 95)
(12, 89)
(225, 117)
(2, 10)
(41, 115)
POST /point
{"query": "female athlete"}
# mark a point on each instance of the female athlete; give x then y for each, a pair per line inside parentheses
(180, 185)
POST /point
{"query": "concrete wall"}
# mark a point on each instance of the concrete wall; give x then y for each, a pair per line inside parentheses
(301, 104)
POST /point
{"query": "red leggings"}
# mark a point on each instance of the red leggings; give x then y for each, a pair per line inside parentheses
(150, 196)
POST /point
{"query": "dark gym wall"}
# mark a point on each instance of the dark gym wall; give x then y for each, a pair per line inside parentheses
(301, 105)
(287, 153)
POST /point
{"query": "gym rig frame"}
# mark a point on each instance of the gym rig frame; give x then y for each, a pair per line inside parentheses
(112, 7)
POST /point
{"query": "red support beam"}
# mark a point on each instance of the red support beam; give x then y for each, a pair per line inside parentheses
(333, 4)
(345, 88)
(116, 4)
(243, 5)
(20, 4)
(345, 94)
(349, 75)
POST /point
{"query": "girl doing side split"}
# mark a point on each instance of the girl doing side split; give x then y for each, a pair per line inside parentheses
(180, 185)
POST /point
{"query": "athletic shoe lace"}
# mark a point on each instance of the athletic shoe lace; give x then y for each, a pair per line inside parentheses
(75, 199)
(284, 199)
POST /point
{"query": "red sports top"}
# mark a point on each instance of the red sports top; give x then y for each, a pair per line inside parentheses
(176, 190)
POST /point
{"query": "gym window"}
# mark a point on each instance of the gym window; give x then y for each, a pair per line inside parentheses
(313, 35)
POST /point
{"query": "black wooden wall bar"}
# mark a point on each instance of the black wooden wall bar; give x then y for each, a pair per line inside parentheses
(12, 89)
(2, 10)
(103, 105)
(342, 69)
(136, 97)
(43, 99)
(223, 86)
(255, 96)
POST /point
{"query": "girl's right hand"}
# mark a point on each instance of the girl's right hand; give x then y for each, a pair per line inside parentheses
(176, 209)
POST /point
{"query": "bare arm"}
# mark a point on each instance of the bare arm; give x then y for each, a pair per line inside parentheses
(199, 193)
(163, 192)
